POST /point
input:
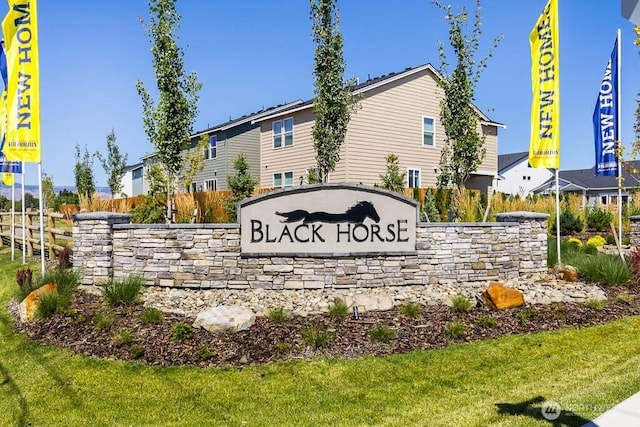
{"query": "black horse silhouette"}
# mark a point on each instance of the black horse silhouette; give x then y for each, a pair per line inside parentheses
(355, 214)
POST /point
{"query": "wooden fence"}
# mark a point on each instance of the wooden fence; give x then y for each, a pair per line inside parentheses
(57, 232)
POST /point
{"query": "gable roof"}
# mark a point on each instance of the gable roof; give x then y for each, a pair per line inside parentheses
(505, 161)
(585, 179)
(376, 82)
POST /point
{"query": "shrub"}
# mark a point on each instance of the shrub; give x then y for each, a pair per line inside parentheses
(487, 321)
(103, 320)
(64, 258)
(574, 241)
(278, 315)
(181, 331)
(596, 304)
(151, 316)
(569, 223)
(598, 218)
(67, 281)
(461, 304)
(382, 334)
(150, 210)
(316, 337)
(590, 249)
(122, 336)
(430, 210)
(610, 239)
(411, 309)
(597, 241)
(633, 260)
(204, 353)
(626, 241)
(136, 352)
(527, 314)
(604, 268)
(24, 277)
(455, 329)
(625, 298)
(122, 292)
(47, 305)
(338, 309)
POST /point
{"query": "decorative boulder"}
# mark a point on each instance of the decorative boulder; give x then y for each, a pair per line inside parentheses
(225, 318)
(29, 306)
(570, 274)
(370, 302)
(500, 297)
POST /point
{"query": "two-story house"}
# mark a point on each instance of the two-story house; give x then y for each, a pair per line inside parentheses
(517, 177)
(399, 113)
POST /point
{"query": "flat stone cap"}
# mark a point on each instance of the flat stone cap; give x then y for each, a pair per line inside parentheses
(634, 218)
(103, 216)
(521, 216)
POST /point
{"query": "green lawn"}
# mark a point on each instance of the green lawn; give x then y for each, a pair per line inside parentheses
(490, 382)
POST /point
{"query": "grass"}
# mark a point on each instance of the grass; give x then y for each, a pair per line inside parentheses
(461, 304)
(338, 310)
(316, 337)
(382, 334)
(122, 292)
(278, 315)
(455, 329)
(151, 316)
(411, 309)
(586, 369)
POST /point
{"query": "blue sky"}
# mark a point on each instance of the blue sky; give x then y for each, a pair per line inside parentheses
(252, 54)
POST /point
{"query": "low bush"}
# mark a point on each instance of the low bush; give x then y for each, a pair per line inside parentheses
(625, 298)
(633, 260)
(103, 320)
(382, 334)
(64, 258)
(598, 218)
(596, 304)
(527, 314)
(316, 337)
(122, 336)
(338, 309)
(47, 305)
(574, 241)
(151, 316)
(411, 309)
(122, 292)
(278, 315)
(610, 239)
(461, 304)
(597, 241)
(455, 329)
(181, 331)
(136, 352)
(603, 268)
(569, 223)
(204, 353)
(487, 321)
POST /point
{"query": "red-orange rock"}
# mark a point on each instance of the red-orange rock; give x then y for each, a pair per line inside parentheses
(500, 297)
(570, 274)
(29, 306)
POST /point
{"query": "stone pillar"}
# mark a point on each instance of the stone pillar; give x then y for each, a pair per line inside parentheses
(93, 244)
(532, 257)
(635, 230)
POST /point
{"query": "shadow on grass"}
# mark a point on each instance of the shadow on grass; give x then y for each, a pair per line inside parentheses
(539, 409)
(7, 381)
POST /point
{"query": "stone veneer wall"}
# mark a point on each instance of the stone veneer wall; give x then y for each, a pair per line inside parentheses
(635, 230)
(205, 256)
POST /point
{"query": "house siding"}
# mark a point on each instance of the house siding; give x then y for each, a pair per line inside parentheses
(389, 120)
(231, 142)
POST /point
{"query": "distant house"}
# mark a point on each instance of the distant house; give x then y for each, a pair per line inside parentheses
(594, 189)
(132, 180)
(400, 114)
(517, 177)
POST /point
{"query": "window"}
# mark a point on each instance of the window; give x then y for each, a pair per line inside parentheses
(413, 176)
(137, 173)
(428, 132)
(283, 133)
(211, 185)
(193, 187)
(211, 152)
(283, 179)
(604, 200)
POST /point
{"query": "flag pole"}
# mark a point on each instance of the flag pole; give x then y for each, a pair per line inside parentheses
(619, 125)
(13, 220)
(24, 221)
(558, 217)
(42, 245)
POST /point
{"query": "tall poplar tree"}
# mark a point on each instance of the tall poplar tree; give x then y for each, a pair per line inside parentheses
(464, 148)
(169, 122)
(334, 100)
(114, 165)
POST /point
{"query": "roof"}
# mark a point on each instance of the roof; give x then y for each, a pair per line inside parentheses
(373, 83)
(248, 118)
(505, 161)
(132, 167)
(586, 179)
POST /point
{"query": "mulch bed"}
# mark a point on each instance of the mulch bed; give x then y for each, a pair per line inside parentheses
(267, 341)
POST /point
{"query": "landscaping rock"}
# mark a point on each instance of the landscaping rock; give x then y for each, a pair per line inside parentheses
(570, 274)
(370, 302)
(223, 318)
(29, 306)
(501, 297)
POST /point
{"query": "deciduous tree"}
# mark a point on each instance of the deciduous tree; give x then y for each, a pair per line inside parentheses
(168, 122)
(114, 164)
(392, 179)
(241, 185)
(83, 172)
(334, 102)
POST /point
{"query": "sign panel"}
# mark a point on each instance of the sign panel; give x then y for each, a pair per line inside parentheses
(328, 220)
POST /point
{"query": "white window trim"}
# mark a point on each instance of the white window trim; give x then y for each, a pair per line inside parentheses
(434, 132)
(282, 179)
(215, 184)
(210, 157)
(419, 177)
(282, 134)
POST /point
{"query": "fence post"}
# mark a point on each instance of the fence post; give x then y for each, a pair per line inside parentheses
(29, 233)
(2, 217)
(51, 223)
